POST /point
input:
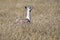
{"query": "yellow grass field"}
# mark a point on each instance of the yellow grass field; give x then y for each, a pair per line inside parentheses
(45, 20)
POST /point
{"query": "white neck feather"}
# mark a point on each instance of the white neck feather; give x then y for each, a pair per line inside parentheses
(28, 13)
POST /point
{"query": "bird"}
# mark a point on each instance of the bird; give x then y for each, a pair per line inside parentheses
(28, 16)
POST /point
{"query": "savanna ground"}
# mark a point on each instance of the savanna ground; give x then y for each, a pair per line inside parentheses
(45, 20)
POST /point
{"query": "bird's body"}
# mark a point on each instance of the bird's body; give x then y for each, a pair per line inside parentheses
(28, 13)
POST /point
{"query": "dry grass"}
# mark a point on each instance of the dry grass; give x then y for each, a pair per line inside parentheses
(45, 20)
